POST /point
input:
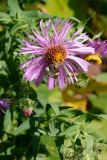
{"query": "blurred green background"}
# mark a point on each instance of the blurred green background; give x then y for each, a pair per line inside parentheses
(81, 9)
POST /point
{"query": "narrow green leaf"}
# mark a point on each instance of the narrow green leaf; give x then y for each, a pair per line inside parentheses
(52, 128)
(98, 35)
(18, 26)
(102, 116)
(7, 122)
(90, 147)
(5, 18)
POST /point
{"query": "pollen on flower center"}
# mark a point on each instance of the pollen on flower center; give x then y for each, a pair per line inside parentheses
(56, 54)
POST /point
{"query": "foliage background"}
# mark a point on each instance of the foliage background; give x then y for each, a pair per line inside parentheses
(19, 136)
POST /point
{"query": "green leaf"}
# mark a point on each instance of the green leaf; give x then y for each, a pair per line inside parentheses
(7, 122)
(14, 8)
(45, 96)
(23, 127)
(5, 18)
(70, 131)
(55, 108)
(30, 123)
(42, 93)
(83, 23)
(8, 37)
(50, 146)
(70, 113)
(98, 35)
(3, 67)
(75, 19)
(50, 111)
(18, 26)
(102, 116)
(85, 118)
(90, 147)
(52, 128)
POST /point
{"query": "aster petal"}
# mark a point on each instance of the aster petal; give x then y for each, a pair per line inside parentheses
(80, 63)
(81, 38)
(73, 69)
(37, 52)
(60, 37)
(69, 74)
(62, 78)
(65, 29)
(78, 32)
(105, 53)
(32, 61)
(45, 29)
(42, 41)
(31, 48)
(82, 50)
(40, 77)
(32, 72)
(51, 82)
(42, 26)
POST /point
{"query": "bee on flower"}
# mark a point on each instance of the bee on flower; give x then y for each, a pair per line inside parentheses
(56, 54)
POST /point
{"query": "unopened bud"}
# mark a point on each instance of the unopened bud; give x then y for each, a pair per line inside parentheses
(27, 112)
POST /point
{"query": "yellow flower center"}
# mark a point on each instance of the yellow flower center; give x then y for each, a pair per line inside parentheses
(56, 54)
(58, 57)
(94, 59)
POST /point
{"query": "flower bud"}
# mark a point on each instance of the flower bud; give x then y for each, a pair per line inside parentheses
(27, 111)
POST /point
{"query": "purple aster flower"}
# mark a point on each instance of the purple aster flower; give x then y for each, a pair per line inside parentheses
(4, 105)
(100, 47)
(55, 54)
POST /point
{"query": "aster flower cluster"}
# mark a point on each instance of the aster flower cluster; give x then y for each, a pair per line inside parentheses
(57, 53)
